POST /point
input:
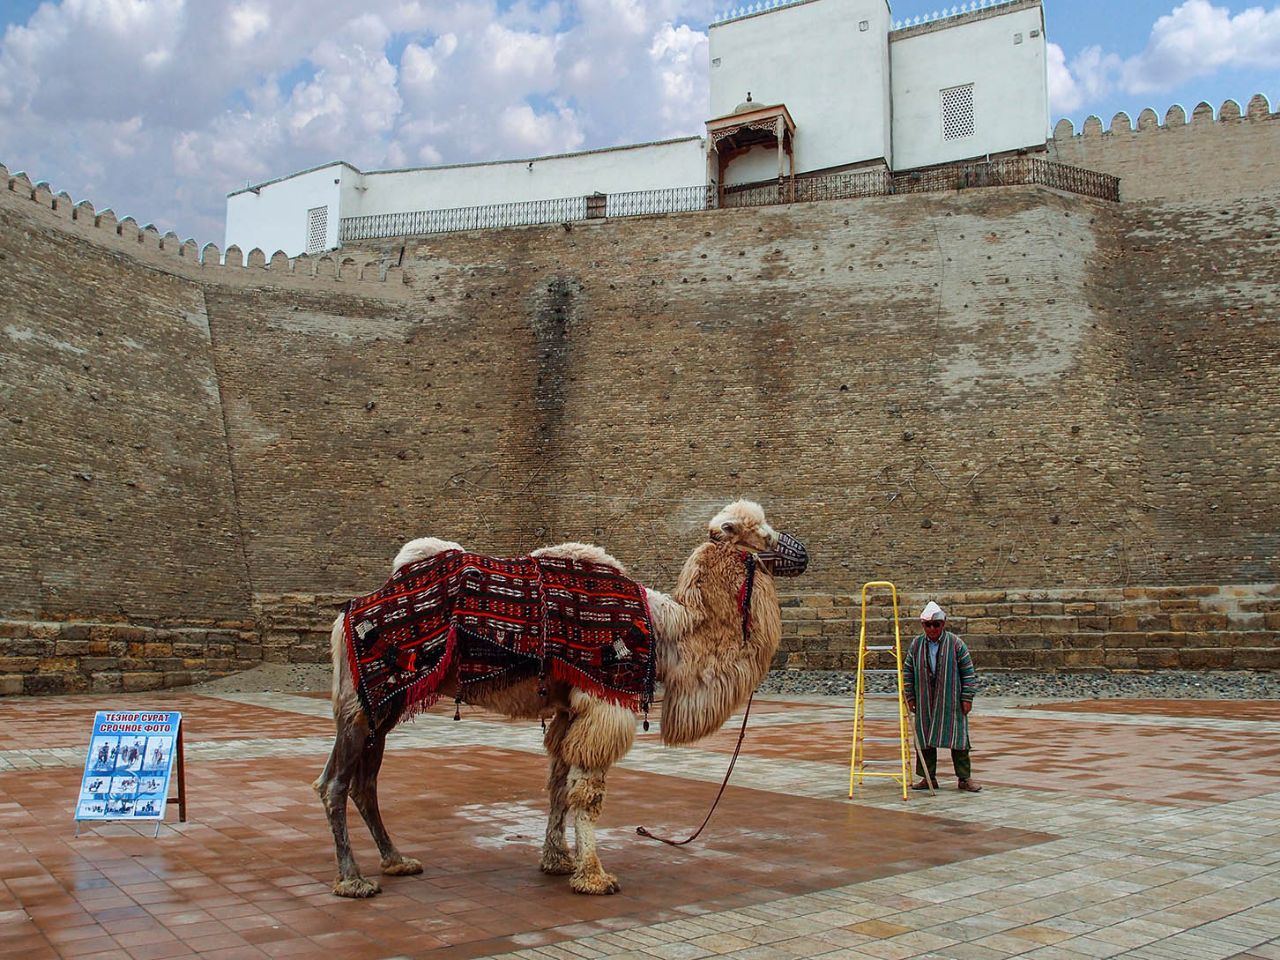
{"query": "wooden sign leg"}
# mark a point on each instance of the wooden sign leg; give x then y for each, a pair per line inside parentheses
(181, 799)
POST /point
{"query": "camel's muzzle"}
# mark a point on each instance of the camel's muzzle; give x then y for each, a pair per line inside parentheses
(788, 558)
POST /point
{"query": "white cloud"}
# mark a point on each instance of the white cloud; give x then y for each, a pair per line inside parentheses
(419, 65)
(679, 56)
(124, 137)
(534, 133)
(528, 56)
(158, 108)
(1195, 39)
(1097, 73)
(1064, 92)
(626, 16)
(247, 21)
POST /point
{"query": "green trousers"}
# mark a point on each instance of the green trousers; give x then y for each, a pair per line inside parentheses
(959, 762)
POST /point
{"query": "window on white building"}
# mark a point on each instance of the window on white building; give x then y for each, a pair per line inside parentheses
(957, 112)
(317, 229)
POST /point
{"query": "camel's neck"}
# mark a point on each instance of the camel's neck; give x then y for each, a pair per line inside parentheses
(706, 664)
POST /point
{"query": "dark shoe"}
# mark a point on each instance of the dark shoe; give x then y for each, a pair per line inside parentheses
(969, 786)
(924, 785)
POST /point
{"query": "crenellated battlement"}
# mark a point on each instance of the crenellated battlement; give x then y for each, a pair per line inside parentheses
(1230, 152)
(1175, 117)
(188, 259)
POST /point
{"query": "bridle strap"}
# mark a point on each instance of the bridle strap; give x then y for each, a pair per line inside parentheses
(744, 602)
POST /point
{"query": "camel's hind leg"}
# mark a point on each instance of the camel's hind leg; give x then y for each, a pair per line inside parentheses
(599, 735)
(334, 786)
(364, 791)
(556, 858)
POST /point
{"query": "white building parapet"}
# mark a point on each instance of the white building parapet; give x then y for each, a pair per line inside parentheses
(946, 13)
(751, 9)
(766, 6)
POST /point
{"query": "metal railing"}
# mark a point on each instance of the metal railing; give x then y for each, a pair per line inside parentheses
(843, 186)
(1013, 171)
(419, 222)
(638, 203)
(833, 186)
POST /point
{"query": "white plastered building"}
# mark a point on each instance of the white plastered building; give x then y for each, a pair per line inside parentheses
(798, 88)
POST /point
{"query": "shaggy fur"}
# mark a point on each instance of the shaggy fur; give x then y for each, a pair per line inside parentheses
(420, 549)
(701, 657)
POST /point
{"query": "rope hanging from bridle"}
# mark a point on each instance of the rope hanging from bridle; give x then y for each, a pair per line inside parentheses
(745, 604)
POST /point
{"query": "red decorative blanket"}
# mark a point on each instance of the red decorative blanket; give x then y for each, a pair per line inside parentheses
(499, 621)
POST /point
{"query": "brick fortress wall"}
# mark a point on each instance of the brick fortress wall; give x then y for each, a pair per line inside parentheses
(1053, 413)
(1199, 158)
(122, 546)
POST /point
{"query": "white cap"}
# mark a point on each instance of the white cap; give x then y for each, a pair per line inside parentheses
(932, 611)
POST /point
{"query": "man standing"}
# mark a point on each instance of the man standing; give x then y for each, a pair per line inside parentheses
(940, 683)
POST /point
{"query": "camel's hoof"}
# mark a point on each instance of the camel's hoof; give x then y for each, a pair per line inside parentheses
(404, 867)
(356, 887)
(557, 866)
(596, 884)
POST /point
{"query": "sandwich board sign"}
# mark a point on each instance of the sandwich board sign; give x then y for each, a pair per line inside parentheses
(127, 772)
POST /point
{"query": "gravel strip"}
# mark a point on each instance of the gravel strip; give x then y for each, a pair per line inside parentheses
(1156, 685)
(272, 678)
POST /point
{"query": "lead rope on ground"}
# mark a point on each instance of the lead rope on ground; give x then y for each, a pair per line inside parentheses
(744, 608)
(728, 773)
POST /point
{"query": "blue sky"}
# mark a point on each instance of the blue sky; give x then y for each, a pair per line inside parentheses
(158, 108)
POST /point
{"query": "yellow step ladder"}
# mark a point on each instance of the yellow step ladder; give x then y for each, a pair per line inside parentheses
(858, 761)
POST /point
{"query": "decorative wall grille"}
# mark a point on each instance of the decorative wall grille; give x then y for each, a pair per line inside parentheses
(957, 112)
(317, 229)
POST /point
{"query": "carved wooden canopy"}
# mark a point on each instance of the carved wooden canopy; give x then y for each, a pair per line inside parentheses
(750, 126)
(738, 132)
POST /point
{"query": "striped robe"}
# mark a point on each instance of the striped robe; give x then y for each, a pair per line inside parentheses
(939, 721)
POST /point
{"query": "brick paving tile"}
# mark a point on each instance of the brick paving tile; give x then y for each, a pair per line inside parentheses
(1088, 758)
(877, 928)
(1036, 934)
(1087, 843)
(1197, 709)
(159, 951)
(62, 721)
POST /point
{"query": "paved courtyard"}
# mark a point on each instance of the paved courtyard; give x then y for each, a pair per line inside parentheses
(1120, 828)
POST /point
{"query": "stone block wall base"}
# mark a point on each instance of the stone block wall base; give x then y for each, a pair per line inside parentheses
(295, 627)
(1158, 627)
(53, 657)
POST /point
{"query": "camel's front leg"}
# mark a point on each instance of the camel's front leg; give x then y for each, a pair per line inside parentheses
(364, 791)
(556, 858)
(334, 787)
(586, 800)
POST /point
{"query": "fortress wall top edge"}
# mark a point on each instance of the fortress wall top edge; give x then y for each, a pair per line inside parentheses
(1203, 114)
(192, 261)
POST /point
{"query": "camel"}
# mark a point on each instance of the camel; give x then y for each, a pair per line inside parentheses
(708, 652)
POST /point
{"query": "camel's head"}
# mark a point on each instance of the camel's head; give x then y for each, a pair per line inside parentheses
(743, 525)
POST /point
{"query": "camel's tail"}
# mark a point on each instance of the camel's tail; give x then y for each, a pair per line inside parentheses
(345, 700)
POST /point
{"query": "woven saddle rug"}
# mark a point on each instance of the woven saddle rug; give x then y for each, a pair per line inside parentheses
(499, 621)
